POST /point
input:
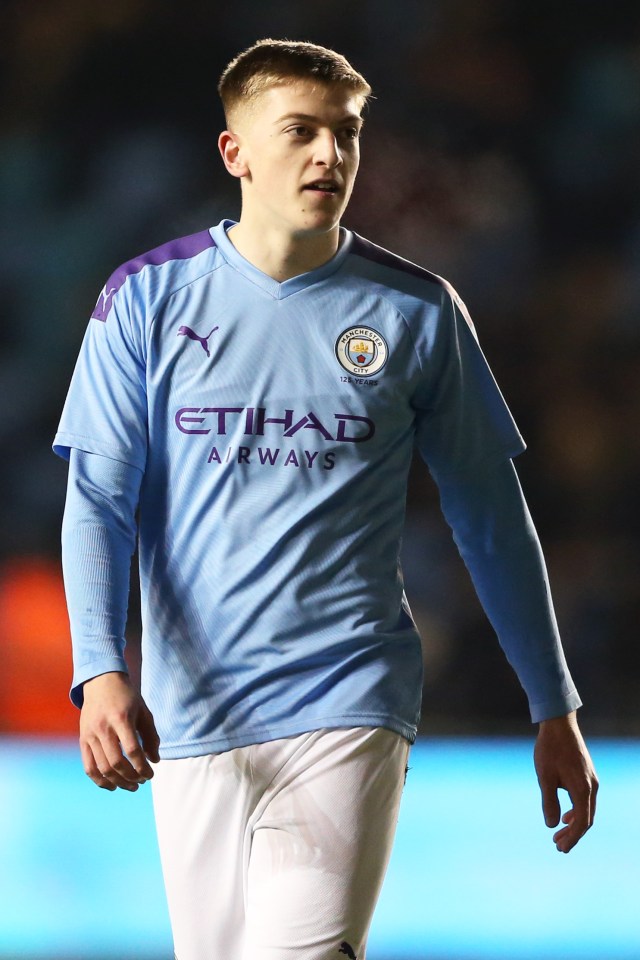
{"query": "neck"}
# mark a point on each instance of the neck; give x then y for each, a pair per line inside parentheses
(280, 254)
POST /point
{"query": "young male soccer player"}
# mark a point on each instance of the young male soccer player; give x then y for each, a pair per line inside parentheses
(255, 391)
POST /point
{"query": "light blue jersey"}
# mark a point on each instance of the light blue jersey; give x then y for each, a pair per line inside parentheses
(274, 424)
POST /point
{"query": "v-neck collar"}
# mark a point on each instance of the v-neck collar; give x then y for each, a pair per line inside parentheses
(278, 290)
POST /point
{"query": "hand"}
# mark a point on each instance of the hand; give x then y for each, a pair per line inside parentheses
(117, 734)
(562, 760)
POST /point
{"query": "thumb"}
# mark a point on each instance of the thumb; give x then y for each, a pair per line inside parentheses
(550, 806)
(148, 734)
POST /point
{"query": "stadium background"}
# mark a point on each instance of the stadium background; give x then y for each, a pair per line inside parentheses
(501, 152)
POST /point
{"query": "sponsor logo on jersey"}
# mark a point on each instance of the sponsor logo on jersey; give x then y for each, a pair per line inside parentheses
(255, 422)
(362, 351)
(103, 305)
(185, 331)
(273, 456)
(347, 428)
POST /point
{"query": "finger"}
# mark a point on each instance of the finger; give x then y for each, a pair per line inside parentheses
(91, 768)
(593, 799)
(115, 750)
(581, 810)
(137, 749)
(149, 735)
(550, 805)
(95, 763)
(566, 839)
(577, 824)
(134, 754)
(106, 760)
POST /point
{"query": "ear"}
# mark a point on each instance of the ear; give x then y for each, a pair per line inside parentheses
(230, 150)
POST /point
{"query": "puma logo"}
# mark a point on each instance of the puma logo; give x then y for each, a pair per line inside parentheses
(347, 949)
(103, 306)
(185, 331)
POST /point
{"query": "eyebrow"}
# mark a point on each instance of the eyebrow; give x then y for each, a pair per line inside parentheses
(309, 118)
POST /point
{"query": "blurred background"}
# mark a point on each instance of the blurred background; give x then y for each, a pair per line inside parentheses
(501, 152)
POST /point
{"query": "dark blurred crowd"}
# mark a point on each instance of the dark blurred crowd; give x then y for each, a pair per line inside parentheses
(501, 152)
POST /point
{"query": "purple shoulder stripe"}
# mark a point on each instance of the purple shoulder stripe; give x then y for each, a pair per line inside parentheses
(370, 251)
(181, 249)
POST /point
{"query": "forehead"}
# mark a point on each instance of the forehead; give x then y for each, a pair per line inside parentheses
(329, 103)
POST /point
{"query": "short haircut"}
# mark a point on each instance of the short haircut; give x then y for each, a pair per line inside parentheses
(271, 62)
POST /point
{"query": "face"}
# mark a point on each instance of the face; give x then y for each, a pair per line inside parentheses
(297, 152)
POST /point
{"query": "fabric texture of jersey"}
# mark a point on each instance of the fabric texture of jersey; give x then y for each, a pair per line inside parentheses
(274, 424)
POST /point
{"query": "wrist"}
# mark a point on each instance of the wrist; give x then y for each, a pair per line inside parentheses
(103, 680)
(570, 719)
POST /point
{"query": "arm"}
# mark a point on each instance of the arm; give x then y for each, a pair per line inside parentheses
(496, 538)
(117, 732)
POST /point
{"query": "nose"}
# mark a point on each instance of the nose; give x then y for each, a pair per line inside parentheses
(327, 152)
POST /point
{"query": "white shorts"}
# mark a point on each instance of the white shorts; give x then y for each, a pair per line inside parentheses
(277, 851)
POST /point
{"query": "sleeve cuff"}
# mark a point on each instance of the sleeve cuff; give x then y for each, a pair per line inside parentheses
(94, 669)
(556, 707)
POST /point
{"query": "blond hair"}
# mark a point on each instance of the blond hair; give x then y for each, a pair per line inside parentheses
(271, 62)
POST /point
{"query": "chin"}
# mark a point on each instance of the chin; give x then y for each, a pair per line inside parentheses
(316, 227)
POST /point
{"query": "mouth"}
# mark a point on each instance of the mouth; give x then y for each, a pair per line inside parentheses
(327, 187)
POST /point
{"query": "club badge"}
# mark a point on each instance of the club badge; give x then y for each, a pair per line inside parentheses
(361, 351)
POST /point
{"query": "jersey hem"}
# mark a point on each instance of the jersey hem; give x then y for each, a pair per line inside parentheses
(180, 751)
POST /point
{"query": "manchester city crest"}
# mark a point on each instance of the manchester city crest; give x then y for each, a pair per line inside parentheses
(361, 351)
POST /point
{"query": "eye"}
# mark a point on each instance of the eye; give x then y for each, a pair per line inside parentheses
(351, 133)
(299, 131)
